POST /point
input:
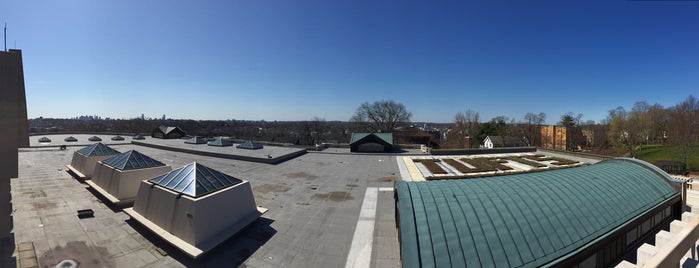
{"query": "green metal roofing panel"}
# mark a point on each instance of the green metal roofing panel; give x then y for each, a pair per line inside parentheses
(195, 180)
(387, 137)
(98, 149)
(130, 160)
(522, 220)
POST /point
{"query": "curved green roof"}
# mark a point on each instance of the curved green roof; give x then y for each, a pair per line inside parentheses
(98, 149)
(523, 220)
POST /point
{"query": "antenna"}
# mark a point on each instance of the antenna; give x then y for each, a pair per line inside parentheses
(5, 37)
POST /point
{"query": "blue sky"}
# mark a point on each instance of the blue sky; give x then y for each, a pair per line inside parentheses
(293, 60)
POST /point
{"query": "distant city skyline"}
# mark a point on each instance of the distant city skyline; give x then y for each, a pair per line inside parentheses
(294, 60)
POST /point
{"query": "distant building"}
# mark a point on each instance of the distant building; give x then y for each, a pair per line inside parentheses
(163, 132)
(415, 135)
(554, 137)
(500, 141)
(371, 142)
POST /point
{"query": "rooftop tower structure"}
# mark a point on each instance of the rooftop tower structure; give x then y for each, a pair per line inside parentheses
(13, 129)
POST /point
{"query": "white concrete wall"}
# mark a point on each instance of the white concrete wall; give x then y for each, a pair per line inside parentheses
(222, 210)
(86, 165)
(124, 184)
(155, 204)
(196, 220)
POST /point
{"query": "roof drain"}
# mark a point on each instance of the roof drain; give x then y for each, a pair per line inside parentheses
(67, 264)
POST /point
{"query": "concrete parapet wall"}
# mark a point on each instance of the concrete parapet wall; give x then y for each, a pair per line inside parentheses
(273, 161)
(483, 151)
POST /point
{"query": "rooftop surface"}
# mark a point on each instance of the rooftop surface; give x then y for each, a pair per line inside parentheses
(267, 153)
(314, 201)
(523, 219)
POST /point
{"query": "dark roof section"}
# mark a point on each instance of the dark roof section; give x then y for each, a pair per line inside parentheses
(98, 149)
(130, 160)
(94, 138)
(164, 132)
(70, 139)
(195, 140)
(530, 219)
(500, 141)
(251, 145)
(44, 139)
(221, 142)
(117, 138)
(195, 180)
(138, 137)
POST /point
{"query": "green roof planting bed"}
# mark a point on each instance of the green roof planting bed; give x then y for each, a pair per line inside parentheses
(524, 220)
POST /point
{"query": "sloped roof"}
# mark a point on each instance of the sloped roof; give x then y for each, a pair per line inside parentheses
(387, 137)
(71, 138)
(195, 140)
(250, 145)
(94, 138)
(97, 149)
(117, 138)
(130, 160)
(530, 219)
(195, 180)
(220, 142)
(44, 139)
(167, 130)
(139, 137)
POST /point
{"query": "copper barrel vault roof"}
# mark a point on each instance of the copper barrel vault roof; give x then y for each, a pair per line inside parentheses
(528, 220)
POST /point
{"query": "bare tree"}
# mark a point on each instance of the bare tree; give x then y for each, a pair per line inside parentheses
(314, 131)
(626, 130)
(532, 127)
(683, 128)
(381, 116)
(466, 125)
(659, 118)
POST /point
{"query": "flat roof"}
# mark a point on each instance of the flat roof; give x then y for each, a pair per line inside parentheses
(314, 201)
(529, 219)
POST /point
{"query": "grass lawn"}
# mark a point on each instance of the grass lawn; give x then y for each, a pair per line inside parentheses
(652, 153)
